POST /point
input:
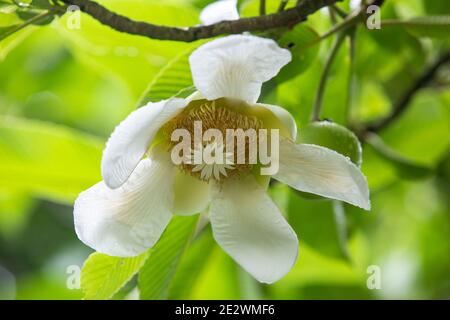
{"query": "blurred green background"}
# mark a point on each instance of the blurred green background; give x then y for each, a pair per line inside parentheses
(62, 91)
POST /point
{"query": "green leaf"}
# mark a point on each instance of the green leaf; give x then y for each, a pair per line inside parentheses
(32, 15)
(157, 273)
(201, 3)
(320, 224)
(378, 171)
(15, 209)
(444, 167)
(102, 276)
(219, 280)
(422, 133)
(47, 160)
(42, 4)
(404, 167)
(428, 26)
(191, 266)
(436, 7)
(8, 30)
(173, 80)
(7, 7)
(30, 18)
(298, 94)
(250, 8)
(8, 24)
(304, 44)
(134, 60)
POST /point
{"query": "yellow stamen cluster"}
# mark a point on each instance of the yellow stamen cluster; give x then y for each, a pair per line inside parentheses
(220, 114)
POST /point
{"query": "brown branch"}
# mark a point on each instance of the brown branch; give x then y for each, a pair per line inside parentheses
(121, 23)
(399, 108)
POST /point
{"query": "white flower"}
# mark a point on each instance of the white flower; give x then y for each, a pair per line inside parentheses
(219, 11)
(127, 212)
(215, 169)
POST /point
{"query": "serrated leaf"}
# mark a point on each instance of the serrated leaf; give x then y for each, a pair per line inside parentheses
(158, 271)
(102, 276)
(174, 79)
(47, 160)
(191, 265)
(428, 26)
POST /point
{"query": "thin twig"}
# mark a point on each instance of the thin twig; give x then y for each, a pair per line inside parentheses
(350, 21)
(315, 116)
(394, 22)
(339, 11)
(262, 7)
(282, 6)
(332, 15)
(287, 18)
(427, 76)
(35, 19)
(351, 75)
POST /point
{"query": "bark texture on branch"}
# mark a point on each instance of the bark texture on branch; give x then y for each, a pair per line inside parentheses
(121, 23)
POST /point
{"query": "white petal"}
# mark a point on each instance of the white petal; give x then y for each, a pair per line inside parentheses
(319, 170)
(191, 194)
(250, 228)
(236, 66)
(126, 221)
(219, 11)
(284, 117)
(195, 96)
(131, 139)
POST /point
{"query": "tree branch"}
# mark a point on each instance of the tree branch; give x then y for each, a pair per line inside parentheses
(315, 115)
(121, 23)
(427, 76)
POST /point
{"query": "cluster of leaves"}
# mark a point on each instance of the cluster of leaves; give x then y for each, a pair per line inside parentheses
(25, 13)
(40, 159)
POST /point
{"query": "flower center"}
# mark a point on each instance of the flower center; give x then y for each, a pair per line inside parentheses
(226, 138)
